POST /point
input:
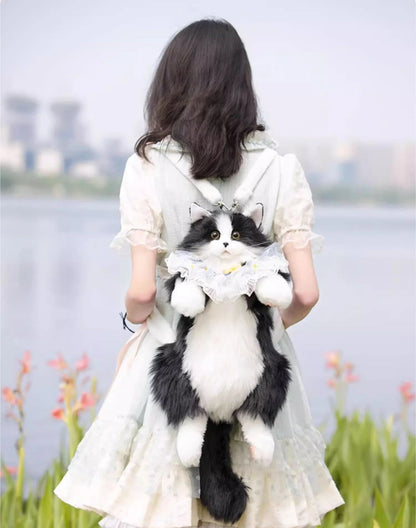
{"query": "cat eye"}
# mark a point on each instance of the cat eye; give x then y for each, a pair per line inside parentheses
(215, 235)
(235, 235)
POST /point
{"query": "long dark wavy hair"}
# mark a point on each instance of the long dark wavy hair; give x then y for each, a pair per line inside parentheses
(202, 96)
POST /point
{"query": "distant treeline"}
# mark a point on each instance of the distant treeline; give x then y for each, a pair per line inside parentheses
(358, 194)
(61, 186)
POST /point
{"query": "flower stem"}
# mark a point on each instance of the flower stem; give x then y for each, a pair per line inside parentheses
(20, 470)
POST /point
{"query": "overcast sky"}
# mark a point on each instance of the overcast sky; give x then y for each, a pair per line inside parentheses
(322, 68)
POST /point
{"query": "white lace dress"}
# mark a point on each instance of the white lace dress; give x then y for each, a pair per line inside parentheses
(126, 467)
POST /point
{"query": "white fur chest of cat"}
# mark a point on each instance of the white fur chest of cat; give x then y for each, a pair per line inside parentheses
(223, 357)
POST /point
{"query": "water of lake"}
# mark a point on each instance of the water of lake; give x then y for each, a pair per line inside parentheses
(63, 289)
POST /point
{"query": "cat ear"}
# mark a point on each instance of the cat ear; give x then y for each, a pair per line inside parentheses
(196, 212)
(256, 214)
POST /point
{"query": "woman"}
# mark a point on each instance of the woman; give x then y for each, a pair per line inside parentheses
(202, 114)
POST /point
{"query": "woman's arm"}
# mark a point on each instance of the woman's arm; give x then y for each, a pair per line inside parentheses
(141, 294)
(305, 284)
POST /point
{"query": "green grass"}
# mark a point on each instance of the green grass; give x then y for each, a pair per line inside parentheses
(377, 484)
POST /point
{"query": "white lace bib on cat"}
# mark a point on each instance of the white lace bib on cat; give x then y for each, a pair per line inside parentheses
(232, 282)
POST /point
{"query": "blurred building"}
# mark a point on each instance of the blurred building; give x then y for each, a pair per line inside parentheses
(85, 169)
(19, 132)
(311, 156)
(404, 165)
(12, 153)
(80, 159)
(375, 165)
(49, 161)
(67, 131)
(345, 163)
(112, 158)
(20, 115)
(325, 162)
(353, 163)
(83, 163)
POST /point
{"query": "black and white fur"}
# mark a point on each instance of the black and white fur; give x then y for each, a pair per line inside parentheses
(223, 365)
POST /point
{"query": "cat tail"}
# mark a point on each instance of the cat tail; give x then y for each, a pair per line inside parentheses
(223, 493)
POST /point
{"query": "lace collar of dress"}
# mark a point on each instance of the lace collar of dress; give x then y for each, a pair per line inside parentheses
(255, 140)
(231, 283)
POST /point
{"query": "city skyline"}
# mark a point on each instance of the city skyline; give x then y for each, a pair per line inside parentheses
(68, 151)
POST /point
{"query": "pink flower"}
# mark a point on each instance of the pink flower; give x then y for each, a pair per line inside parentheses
(349, 367)
(26, 366)
(331, 383)
(332, 359)
(405, 389)
(11, 469)
(83, 363)
(86, 400)
(59, 363)
(9, 396)
(350, 378)
(58, 413)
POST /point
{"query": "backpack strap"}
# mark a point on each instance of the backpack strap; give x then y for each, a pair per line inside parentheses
(243, 192)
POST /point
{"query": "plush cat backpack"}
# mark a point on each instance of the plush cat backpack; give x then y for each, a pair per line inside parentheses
(224, 277)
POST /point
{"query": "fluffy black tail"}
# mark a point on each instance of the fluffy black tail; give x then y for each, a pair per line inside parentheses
(223, 493)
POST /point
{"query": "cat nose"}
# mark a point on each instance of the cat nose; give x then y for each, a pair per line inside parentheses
(225, 244)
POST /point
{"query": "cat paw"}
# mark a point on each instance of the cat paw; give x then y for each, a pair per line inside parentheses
(262, 449)
(274, 290)
(187, 298)
(189, 447)
(259, 436)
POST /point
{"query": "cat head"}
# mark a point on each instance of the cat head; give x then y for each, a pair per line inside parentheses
(223, 235)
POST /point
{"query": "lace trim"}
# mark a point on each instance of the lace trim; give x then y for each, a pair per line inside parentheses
(135, 237)
(301, 237)
(255, 140)
(259, 139)
(119, 466)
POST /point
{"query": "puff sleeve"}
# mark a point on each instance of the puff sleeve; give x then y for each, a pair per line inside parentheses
(294, 215)
(140, 212)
